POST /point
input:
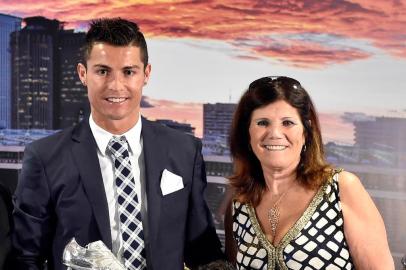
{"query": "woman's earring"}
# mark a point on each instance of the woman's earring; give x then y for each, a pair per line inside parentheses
(304, 148)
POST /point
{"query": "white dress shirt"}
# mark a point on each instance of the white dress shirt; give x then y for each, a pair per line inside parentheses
(135, 144)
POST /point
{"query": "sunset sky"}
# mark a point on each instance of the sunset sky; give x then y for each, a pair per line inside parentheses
(349, 55)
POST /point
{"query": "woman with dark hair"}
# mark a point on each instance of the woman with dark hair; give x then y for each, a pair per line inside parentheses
(291, 209)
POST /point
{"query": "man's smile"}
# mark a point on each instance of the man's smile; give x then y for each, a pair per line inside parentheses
(116, 99)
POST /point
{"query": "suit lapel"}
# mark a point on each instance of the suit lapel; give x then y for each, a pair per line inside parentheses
(85, 153)
(155, 153)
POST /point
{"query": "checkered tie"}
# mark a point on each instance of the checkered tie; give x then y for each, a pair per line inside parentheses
(129, 209)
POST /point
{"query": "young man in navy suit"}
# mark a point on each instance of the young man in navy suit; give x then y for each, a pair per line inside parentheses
(69, 185)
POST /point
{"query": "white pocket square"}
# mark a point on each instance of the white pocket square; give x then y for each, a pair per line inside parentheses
(170, 182)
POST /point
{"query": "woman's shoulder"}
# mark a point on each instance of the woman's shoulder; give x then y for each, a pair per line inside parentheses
(348, 181)
(347, 177)
(341, 182)
(352, 192)
(342, 177)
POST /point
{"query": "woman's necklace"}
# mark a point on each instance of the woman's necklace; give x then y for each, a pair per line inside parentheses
(274, 213)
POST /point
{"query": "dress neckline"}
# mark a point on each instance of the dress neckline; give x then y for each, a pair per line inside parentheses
(277, 250)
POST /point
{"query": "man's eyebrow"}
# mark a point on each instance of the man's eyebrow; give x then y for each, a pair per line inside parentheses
(124, 68)
(131, 67)
(101, 66)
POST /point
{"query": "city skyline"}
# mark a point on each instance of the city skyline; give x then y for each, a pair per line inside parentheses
(343, 67)
(335, 48)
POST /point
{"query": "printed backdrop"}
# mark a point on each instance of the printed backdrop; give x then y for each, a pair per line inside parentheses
(349, 54)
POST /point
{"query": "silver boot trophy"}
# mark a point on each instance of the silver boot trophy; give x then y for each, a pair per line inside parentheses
(95, 256)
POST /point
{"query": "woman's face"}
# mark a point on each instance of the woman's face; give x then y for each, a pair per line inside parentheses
(277, 136)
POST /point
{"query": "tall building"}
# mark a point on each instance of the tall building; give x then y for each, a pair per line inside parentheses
(217, 120)
(46, 92)
(33, 82)
(8, 24)
(387, 132)
(71, 103)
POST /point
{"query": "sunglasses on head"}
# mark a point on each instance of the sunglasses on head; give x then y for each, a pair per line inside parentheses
(274, 79)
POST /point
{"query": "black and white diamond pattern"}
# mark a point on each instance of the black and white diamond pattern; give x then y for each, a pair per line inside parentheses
(129, 208)
(320, 244)
(250, 254)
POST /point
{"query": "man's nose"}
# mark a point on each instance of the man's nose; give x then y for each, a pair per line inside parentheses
(116, 82)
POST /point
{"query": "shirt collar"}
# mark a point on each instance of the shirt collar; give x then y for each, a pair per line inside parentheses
(103, 137)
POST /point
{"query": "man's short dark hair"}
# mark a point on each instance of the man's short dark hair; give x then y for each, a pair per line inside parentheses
(116, 32)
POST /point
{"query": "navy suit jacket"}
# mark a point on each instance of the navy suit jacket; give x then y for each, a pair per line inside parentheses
(61, 195)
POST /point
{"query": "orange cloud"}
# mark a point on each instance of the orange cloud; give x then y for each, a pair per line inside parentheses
(191, 113)
(345, 25)
(302, 52)
(334, 128)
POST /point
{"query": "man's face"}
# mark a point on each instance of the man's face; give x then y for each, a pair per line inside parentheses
(114, 77)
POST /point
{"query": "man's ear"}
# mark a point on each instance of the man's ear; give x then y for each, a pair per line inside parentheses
(147, 72)
(82, 72)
